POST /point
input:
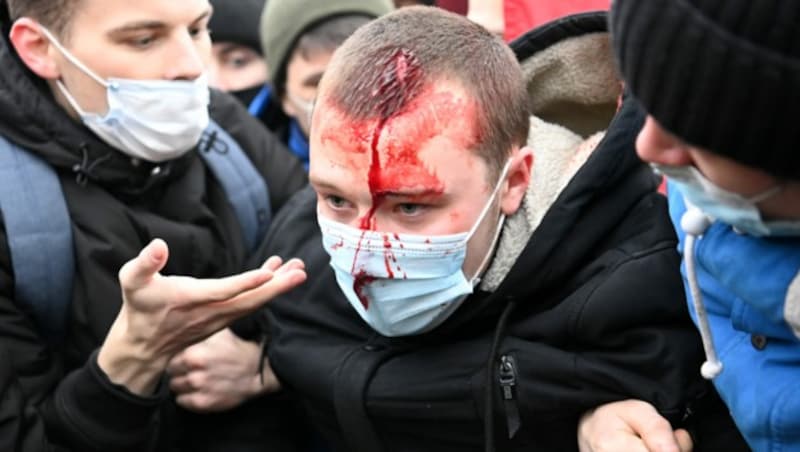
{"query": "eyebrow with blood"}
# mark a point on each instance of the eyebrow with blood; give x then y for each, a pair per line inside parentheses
(405, 118)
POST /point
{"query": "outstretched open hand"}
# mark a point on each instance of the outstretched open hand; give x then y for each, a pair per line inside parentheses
(162, 315)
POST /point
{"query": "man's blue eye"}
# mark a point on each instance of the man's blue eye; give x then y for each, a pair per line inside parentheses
(336, 201)
(142, 42)
(409, 209)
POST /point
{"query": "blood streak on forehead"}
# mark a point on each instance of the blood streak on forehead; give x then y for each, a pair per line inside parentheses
(431, 116)
(406, 117)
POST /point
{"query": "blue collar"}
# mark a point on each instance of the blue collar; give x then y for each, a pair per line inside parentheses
(260, 102)
(298, 142)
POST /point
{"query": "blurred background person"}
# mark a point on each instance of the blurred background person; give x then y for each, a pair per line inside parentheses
(519, 16)
(455, 6)
(237, 63)
(298, 38)
(512, 18)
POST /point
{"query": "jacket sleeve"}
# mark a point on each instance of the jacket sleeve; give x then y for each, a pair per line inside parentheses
(282, 171)
(615, 336)
(634, 336)
(45, 408)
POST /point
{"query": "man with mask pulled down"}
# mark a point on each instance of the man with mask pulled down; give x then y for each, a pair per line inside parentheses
(108, 132)
(723, 97)
(479, 277)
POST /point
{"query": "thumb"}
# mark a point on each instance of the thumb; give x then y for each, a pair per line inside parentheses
(684, 440)
(141, 269)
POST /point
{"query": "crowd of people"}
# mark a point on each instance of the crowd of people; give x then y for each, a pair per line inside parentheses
(365, 225)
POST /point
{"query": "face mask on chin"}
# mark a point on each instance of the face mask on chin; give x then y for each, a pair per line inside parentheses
(731, 208)
(404, 284)
(152, 120)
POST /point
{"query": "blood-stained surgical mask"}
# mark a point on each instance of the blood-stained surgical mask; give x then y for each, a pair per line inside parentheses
(404, 284)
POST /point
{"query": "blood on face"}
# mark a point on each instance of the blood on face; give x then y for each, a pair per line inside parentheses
(406, 118)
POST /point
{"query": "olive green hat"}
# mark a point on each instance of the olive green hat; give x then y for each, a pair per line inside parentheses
(283, 22)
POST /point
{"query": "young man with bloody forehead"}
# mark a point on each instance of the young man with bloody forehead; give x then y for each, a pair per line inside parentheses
(471, 292)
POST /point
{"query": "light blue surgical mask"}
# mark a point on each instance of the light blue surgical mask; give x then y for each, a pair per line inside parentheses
(730, 208)
(152, 120)
(404, 284)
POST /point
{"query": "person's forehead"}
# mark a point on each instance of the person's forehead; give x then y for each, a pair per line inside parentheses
(227, 47)
(307, 70)
(442, 109)
(409, 150)
(106, 15)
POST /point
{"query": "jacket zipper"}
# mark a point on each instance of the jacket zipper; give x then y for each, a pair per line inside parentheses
(508, 381)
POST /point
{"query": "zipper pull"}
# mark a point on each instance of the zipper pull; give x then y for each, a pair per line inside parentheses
(508, 382)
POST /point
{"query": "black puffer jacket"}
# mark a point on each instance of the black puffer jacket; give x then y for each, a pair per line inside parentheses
(591, 311)
(58, 399)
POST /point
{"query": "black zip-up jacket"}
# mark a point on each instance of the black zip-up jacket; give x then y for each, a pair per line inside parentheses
(56, 398)
(592, 311)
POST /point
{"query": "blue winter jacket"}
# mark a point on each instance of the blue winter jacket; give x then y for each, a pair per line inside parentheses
(745, 282)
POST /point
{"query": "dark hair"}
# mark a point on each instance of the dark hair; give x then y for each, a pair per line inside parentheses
(53, 14)
(329, 34)
(429, 45)
(323, 37)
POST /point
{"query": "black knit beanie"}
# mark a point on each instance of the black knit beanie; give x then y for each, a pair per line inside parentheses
(236, 21)
(723, 75)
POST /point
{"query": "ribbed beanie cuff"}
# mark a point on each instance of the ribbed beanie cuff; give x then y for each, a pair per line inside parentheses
(723, 75)
(283, 22)
(236, 21)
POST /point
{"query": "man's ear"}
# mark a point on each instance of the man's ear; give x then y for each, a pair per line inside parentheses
(34, 49)
(517, 180)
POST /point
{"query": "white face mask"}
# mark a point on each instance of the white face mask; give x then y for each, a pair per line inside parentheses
(727, 207)
(403, 284)
(152, 120)
(305, 109)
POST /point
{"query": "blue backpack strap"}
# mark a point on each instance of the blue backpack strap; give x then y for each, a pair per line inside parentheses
(39, 234)
(243, 184)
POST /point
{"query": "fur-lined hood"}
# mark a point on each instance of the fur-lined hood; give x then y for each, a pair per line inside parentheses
(573, 93)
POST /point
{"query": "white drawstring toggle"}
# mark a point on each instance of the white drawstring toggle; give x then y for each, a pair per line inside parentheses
(710, 369)
(695, 222)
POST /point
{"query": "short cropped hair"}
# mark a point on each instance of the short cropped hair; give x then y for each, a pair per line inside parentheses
(53, 14)
(434, 45)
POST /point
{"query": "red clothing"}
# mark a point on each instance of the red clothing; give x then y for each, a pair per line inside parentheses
(456, 6)
(522, 15)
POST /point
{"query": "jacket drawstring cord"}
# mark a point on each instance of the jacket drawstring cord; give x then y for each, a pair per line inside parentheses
(83, 170)
(695, 223)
